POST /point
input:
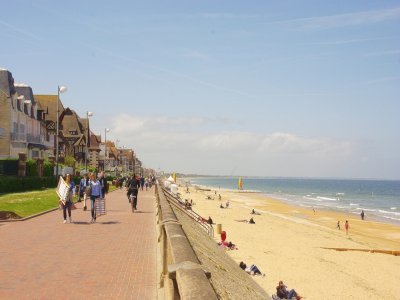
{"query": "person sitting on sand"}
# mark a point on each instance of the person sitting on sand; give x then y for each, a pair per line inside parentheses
(227, 204)
(283, 293)
(188, 205)
(228, 246)
(232, 246)
(221, 206)
(253, 212)
(252, 221)
(210, 221)
(252, 270)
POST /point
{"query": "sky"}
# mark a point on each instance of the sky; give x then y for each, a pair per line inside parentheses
(251, 88)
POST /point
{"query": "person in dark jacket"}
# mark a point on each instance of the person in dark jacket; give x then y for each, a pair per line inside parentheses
(283, 293)
(133, 189)
(103, 182)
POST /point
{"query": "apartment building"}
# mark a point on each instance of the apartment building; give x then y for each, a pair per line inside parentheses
(22, 121)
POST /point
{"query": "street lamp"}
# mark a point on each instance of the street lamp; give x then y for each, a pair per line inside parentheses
(105, 146)
(61, 89)
(88, 114)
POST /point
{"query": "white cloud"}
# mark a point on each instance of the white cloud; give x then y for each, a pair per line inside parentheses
(383, 53)
(174, 144)
(343, 20)
(285, 143)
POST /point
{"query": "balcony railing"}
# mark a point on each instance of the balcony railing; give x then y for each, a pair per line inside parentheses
(20, 137)
(33, 138)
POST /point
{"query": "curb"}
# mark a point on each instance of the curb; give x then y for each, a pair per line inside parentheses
(34, 216)
(29, 217)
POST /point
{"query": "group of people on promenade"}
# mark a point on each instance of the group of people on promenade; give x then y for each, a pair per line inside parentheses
(90, 186)
(143, 182)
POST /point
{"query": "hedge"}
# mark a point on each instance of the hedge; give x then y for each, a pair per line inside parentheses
(9, 166)
(48, 168)
(31, 168)
(12, 184)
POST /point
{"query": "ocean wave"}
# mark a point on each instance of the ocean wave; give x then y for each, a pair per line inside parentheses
(393, 208)
(354, 204)
(313, 199)
(391, 218)
(366, 209)
(389, 212)
(326, 198)
(340, 194)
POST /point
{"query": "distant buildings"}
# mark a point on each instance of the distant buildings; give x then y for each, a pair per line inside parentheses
(28, 125)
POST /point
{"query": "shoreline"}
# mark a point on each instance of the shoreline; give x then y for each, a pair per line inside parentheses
(290, 243)
(370, 217)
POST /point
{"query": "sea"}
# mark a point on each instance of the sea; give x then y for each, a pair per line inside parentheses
(379, 199)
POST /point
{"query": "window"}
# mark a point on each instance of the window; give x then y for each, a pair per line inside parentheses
(35, 153)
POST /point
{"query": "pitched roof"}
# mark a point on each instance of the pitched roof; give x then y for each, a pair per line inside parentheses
(71, 123)
(50, 102)
(7, 82)
(26, 91)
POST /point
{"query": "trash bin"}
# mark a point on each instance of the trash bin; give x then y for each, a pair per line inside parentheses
(219, 228)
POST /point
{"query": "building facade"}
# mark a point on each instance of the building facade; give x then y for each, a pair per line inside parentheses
(22, 121)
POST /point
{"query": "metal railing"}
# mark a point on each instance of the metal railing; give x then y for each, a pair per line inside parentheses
(33, 138)
(177, 202)
(181, 274)
(18, 136)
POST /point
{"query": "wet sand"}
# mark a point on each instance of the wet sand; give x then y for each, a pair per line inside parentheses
(287, 244)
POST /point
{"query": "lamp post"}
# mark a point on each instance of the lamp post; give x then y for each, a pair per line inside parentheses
(105, 146)
(88, 114)
(61, 89)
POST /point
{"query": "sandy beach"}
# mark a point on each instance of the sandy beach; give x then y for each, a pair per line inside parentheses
(287, 243)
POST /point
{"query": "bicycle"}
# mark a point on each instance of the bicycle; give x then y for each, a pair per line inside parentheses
(133, 201)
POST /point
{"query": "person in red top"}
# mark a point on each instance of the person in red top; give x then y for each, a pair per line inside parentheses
(346, 226)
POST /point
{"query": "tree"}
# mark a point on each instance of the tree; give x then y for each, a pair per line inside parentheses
(69, 161)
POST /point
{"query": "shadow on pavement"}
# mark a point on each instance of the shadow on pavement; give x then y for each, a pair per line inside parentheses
(81, 223)
(143, 212)
(109, 222)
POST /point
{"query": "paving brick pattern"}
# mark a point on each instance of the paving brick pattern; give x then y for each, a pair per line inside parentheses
(115, 258)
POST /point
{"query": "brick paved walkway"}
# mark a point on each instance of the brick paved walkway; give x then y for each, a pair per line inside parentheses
(115, 258)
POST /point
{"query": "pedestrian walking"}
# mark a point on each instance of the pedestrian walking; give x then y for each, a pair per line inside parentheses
(141, 182)
(95, 193)
(68, 202)
(82, 186)
(362, 215)
(346, 226)
(133, 189)
(338, 225)
(103, 182)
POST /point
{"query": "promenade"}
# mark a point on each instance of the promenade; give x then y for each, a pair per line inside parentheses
(115, 258)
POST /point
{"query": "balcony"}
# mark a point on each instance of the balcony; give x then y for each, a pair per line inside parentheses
(18, 137)
(33, 138)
